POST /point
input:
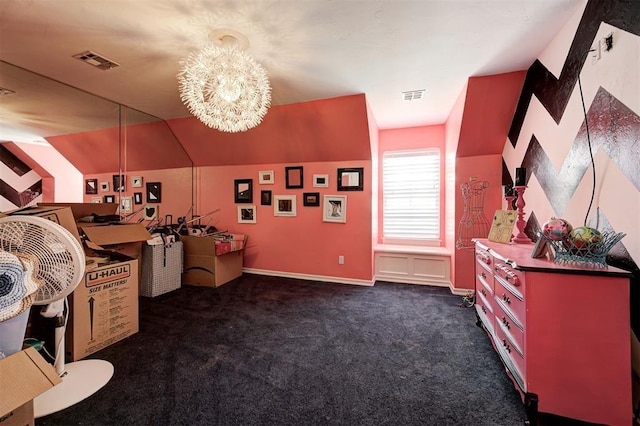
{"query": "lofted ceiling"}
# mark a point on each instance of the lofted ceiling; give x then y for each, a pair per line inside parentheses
(311, 49)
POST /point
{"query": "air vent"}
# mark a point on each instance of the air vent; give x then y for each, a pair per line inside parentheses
(413, 95)
(100, 62)
(4, 91)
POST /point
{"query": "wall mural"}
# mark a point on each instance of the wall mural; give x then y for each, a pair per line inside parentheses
(614, 129)
(17, 185)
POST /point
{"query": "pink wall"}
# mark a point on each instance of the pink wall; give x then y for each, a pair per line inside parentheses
(176, 190)
(407, 139)
(294, 245)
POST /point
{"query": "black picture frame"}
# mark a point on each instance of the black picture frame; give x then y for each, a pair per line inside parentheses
(243, 190)
(137, 198)
(91, 186)
(265, 197)
(294, 177)
(154, 192)
(109, 198)
(351, 179)
(119, 183)
(311, 199)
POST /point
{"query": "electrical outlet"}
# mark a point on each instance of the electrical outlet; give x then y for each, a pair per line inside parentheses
(341, 260)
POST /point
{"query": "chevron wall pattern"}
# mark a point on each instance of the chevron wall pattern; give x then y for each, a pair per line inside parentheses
(548, 134)
(19, 185)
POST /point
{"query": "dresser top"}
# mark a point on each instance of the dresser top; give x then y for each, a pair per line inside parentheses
(519, 257)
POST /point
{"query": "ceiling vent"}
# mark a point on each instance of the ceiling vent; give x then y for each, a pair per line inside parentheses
(413, 95)
(100, 62)
(4, 91)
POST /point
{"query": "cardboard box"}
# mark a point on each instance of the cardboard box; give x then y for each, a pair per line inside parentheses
(80, 210)
(203, 268)
(104, 307)
(23, 376)
(63, 216)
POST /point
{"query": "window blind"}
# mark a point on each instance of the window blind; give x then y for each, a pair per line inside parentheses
(411, 195)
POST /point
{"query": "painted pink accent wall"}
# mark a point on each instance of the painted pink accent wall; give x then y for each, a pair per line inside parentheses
(332, 129)
(295, 245)
(407, 139)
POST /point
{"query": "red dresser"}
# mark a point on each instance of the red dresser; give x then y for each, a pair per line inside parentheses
(562, 332)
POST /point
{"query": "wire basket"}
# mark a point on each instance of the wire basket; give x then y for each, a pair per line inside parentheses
(580, 252)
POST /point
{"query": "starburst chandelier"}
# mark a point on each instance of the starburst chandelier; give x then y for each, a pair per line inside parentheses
(223, 86)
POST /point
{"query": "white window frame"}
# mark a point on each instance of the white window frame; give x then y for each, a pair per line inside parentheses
(428, 184)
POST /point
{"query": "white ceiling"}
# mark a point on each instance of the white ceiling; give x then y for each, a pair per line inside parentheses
(311, 49)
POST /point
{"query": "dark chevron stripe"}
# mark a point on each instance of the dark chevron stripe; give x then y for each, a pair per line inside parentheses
(8, 192)
(13, 162)
(613, 127)
(554, 93)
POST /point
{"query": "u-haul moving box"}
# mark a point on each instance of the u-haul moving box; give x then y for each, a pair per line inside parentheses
(104, 307)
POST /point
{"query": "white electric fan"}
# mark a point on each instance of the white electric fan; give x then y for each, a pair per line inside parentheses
(59, 265)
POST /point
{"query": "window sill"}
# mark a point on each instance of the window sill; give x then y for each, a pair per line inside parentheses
(411, 249)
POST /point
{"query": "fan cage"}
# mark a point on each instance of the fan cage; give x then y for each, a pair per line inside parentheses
(57, 257)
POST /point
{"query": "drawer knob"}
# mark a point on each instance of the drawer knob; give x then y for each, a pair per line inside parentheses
(483, 275)
(483, 291)
(506, 323)
(506, 345)
(506, 298)
(484, 309)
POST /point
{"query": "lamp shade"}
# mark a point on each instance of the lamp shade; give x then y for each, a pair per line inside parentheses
(225, 88)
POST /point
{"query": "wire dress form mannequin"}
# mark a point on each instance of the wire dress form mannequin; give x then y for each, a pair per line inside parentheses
(473, 224)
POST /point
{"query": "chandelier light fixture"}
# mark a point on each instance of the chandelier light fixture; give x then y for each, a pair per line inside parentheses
(223, 86)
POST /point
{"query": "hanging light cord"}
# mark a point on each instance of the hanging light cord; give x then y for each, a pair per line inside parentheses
(593, 164)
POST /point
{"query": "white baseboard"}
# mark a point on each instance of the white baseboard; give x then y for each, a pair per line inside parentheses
(325, 278)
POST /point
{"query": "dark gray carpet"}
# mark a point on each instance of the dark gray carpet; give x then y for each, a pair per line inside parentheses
(272, 351)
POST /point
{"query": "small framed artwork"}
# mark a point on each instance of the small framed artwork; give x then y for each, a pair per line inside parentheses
(104, 186)
(137, 198)
(311, 199)
(284, 205)
(351, 179)
(542, 248)
(154, 192)
(334, 208)
(126, 204)
(136, 181)
(265, 198)
(150, 212)
(119, 183)
(243, 190)
(91, 186)
(96, 200)
(109, 198)
(293, 177)
(321, 181)
(266, 177)
(246, 214)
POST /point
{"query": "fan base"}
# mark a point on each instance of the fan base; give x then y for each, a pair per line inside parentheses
(82, 380)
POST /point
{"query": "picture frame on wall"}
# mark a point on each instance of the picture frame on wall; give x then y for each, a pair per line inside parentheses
(243, 190)
(294, 177)
(119, 183)
(91, 186)
(334, 208)
(266, 177)
(154, 192)
(265, 198)
(126, 204)
(311, 199)
(96, 200)
(247, 214)
(136, 181)
(320, 181)
(109, 198)
(351, 179)
(150, 212)
(137, 198)
(284, 205)
(104, 186)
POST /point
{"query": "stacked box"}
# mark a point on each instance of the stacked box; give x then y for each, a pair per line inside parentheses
(161, 268)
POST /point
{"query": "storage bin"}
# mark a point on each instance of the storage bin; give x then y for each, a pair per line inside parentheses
(161, 268)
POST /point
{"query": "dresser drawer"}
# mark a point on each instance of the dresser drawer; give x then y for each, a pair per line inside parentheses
(484, 282)
(513, 358)
(484, 259)
(509, 326)
(509, 275)
(511, 301)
